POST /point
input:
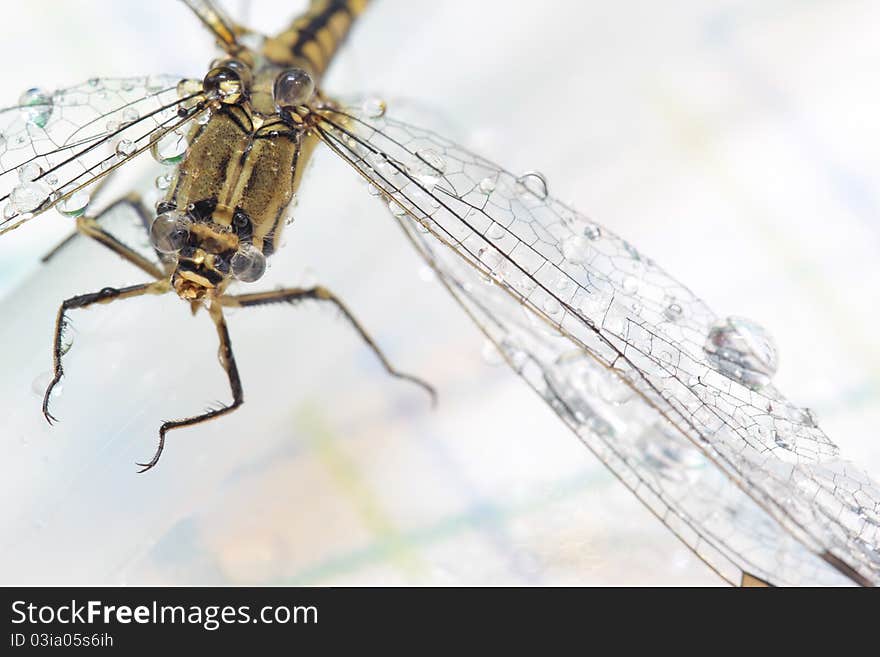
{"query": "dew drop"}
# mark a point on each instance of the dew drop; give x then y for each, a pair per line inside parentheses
(374, 108)
(163, 181)
(29, 172)
(39, 104)
(125, 147)
(170, 148)
(533, 183)
(494, 263)
(551, 307)
(630, 284)
(495, 232)
(74, 205)
(248, 264)
(743, 351)
(673, 311)
(592, 232)
(27, 197)
(130, 115)
(487, 185)
(396, 208)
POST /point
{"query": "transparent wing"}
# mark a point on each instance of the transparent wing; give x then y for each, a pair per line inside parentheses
(664, 393)
(53, 146)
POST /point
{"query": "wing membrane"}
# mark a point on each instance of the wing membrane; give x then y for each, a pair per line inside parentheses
(616, 347)
(55, 145)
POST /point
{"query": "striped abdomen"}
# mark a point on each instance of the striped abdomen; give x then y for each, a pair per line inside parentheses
(315, 36)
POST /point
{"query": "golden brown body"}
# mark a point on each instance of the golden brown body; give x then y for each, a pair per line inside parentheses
(244, 164)
(222, 214)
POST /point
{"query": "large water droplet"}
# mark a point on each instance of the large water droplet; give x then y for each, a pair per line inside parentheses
(125, 147)
(170, 148)
(743, 351)
(533, 183)
(39, 104)
(374, 107)
(487, 185)
(29, 172)
(75, 204)
(170, 231)
(248, 263)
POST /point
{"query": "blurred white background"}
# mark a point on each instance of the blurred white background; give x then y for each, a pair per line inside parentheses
(735, 142)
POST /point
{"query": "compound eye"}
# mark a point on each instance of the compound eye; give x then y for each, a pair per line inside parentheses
(242, 225)
(226, 82)
(248, 264)
(293, 87)
(169, 232)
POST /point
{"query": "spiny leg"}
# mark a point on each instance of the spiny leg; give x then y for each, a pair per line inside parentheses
(297, 294)
(90, 227)
(227, 359)
(106, 295)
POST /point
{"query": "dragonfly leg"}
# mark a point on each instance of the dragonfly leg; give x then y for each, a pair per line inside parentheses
(90, 227)
(297, 294)
(106, 295)
(227, 359)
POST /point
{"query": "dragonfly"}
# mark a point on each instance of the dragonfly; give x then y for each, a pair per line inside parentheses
(676, 401)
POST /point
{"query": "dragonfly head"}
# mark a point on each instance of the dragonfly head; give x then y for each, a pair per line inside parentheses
(209, 256)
